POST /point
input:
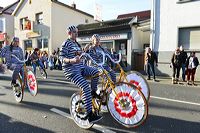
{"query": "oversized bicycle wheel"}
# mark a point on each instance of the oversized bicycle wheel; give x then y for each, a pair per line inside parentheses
(19, 91)
(43, 73)
(138, 80)
(32, 83)
(77, 111)
(128, 105)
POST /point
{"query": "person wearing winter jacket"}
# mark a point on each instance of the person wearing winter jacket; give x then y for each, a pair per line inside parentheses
(191, 65)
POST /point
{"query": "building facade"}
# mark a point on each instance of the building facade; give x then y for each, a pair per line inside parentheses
(43, 23)
(7, 24)
(174, 23)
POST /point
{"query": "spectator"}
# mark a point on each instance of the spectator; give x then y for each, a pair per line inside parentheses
(184, 58)
(150, 61)
(176, 63)
(191, 64)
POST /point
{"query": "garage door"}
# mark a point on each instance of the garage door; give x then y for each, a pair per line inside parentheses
(189, 37)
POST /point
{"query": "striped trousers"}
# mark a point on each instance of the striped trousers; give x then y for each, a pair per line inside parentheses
(111, 73)
(16, 68)
(78, 79)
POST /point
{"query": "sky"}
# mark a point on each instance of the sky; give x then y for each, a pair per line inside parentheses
(110, 9)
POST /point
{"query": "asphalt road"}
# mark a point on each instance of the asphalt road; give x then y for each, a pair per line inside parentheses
(172, 109)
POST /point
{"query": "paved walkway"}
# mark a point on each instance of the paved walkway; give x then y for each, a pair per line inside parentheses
(167, 80)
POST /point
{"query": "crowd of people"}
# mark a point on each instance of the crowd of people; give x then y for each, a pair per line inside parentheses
(188, 64)
(179, 61)
(46, 61)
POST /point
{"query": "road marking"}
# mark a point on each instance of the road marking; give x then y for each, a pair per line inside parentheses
(173, 100)
(61, 113)
(95, 126)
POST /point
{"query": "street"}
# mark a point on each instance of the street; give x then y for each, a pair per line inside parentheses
(172, 109)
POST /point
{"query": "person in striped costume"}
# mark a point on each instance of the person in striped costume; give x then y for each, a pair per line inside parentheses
(75, 71)
(11, 62)
(94, 52)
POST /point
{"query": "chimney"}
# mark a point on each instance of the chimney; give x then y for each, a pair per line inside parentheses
(74, 5)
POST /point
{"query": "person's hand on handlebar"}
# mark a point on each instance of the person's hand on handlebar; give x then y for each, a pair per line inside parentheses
(73, 60)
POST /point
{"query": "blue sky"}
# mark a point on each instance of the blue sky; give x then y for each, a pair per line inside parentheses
(110, 8)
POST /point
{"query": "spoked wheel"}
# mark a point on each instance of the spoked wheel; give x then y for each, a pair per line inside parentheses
(43, 73)
(78, 112)
(18, 91)
(128, 105)
(32, 83)
(140, 82)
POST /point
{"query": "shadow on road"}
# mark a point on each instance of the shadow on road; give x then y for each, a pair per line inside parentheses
(8, 125)
(154, 124)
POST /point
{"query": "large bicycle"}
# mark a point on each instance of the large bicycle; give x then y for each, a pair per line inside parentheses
(135, 78)
(125, 102)
(26, 79)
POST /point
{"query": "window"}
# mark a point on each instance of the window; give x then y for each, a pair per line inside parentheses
(2, 25)
(86, 21)
(39, 18)
(189, 37)
(28, 45)
(25, 24)
(42, 43)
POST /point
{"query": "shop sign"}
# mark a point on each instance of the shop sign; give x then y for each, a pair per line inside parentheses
(104, 37)
(32, 34)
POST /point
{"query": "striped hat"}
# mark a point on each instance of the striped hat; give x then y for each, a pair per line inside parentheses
(71, 28)
(96, 36)
(15, 39)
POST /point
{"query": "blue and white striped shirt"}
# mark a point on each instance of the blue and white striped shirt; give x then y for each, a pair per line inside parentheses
(69, 49)
(6, 52)
(95, 53)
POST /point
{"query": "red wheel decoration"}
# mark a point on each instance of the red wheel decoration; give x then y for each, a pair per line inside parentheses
(134, 109)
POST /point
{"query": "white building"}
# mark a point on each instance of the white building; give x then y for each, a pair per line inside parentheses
(174, 23)
(7, 24)
(43, 23)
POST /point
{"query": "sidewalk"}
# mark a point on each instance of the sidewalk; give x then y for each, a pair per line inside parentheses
(167, 80)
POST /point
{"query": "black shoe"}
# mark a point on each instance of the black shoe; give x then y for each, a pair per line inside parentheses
(95, 95)
(148, 79)
(92, 117)
(14, 85)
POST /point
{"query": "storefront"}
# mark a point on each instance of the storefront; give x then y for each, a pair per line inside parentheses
(114, 34)
(116, 41)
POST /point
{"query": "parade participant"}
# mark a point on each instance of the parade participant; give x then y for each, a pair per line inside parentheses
(95, 52)
(35, 59)
(11, 62)
(76, 72)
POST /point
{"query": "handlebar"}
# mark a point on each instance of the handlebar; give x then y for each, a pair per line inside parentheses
(93, 61)
(120, 56)
(21, 61)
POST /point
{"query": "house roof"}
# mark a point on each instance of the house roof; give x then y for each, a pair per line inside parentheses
(111, 25)
(9, 9)
(57, 2)
(65, 5)
(141, 15)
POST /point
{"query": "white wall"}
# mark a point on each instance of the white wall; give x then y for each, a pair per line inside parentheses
(169, 16)
(8, 24)
(63, 17)
(139, 38)
(30, 10)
